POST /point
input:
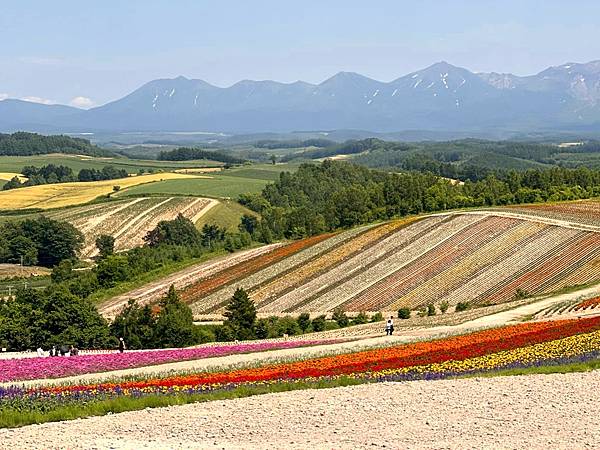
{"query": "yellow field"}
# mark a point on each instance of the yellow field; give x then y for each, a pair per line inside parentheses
(65, 194)
(7, 176)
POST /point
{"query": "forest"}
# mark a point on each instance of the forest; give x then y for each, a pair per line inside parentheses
(335, 194)
(26, 144)
(467, 159)
(190, 154)
(52, 173)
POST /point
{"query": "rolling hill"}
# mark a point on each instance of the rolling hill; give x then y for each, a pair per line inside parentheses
(478, 257)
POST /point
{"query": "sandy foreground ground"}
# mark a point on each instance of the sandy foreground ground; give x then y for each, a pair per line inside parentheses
(537, 411)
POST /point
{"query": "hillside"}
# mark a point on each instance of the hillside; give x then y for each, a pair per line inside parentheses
(465, 159)
(480, 258)
(128, 221)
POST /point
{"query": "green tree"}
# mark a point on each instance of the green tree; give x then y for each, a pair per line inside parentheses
(431, 309)
(135, 324)
(319, 323)
(340, 317)
(404, 313)
(248, 223)
(54, 240)
(304, 322)
(105, 244)
(112, 270)
(240, 315)
(360, 319)
(180, 231)
(65, 318)
(62, 271)
(23, 249)
(175, 322)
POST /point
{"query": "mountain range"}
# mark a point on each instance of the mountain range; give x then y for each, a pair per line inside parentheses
(440, 97)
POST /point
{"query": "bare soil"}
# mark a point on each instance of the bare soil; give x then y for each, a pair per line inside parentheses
(535, 411)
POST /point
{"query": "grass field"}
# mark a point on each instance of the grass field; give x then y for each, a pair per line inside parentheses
(226, 214)
(213, 186)
(227, 184)
(78, 162)
(66, 194)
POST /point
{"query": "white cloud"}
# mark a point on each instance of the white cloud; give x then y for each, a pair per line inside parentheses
(82, 102)
(3, 96)
(34, 99)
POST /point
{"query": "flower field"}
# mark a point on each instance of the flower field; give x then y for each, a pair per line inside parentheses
(515, 346)
(245, 268)
(128, 221)
(46, 367)
(583, 211)
(473, 258)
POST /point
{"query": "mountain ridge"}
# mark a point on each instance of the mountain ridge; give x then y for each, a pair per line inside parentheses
(439, 97)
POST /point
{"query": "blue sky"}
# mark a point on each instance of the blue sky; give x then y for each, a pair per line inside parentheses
(91, 52)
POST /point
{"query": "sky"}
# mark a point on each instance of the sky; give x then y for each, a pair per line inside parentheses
(87, 53)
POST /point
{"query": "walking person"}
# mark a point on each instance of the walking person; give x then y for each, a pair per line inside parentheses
(121, 345)
(389, 326)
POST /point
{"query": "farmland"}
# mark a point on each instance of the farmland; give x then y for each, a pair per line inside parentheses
(477, 258)
(78, 162)
(129, 220)
(67, 194)
(223, 184)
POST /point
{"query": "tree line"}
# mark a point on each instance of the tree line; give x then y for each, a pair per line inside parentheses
(50, 174)
(27, 144)
(335, 194)
(189, 154)
(39, 241)
(64, 312)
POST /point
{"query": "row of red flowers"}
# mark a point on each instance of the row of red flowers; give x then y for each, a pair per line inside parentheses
(454, 348)
(245, 268)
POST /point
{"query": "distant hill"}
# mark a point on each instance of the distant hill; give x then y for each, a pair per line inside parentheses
(27, 144)
(442, 98)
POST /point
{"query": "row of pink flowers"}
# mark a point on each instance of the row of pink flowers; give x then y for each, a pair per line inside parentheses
(57, 367)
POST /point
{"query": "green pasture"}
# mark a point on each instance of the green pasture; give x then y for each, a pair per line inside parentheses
(76, 162)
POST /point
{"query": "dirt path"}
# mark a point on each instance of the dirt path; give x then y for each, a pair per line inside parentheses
(534, 412)
(211, 203)
(532, 218)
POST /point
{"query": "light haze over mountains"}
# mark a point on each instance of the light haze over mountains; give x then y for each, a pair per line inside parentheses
(439, 97)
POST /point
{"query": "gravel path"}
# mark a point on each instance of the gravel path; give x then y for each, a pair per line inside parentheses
(537, 411)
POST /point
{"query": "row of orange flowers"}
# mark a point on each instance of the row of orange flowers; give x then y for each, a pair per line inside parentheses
(455, 348)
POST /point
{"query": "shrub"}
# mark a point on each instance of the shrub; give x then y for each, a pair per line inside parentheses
(462, 306)
(404, 313)
(360, 319)
(520, 294)
(444, 307)
(340, 317)
(105, 245)
(304, 322)
(431, 309)
(377, 317)
(319, 323)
